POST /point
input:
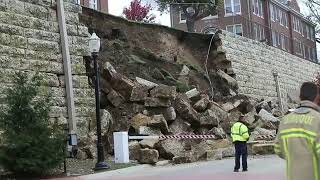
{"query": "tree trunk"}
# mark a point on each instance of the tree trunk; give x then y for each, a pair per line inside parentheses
(190, 25)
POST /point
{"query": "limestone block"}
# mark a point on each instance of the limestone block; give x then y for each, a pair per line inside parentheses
(72, 7)
(48, 56)
(83, 31)
(72, 18)
(5, 39)
(41, 45)
(12, 51)
(84, 111)
(77, 81)
(149, 156)
(16, 7)
(84, 102)
(18, 41)
(72, 30)
(81, 50)
(11, 29)
(42, 35)
(46, 3)
(36, 11)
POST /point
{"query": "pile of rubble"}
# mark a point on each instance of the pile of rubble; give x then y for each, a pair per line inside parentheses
(147, 108)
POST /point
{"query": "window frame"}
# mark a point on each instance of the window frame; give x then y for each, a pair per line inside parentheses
(93, 4)
(283, 41)
(232, 5)
(234, 29)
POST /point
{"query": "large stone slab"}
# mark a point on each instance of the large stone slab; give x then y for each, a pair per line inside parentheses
(140, 120)
(170, 114)
(267, 117)
(158, 121)
(209, 119)
(202, 104)
(170, 148)
(263, 149)
(163, 91)
(185, 110)
(179, 126)
(139, 93)
(149, 156)
(192, 93)
(149, 143)
(230, 80)
(146, 83)
(151, 131)
(115, 98)
(157, 102)
(134, 150)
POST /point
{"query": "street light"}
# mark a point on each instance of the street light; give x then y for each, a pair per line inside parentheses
(94, 45)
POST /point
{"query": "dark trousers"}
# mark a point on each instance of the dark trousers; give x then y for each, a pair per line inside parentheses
(241, 150)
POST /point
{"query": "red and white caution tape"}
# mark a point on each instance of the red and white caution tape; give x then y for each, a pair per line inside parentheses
(162, 137)
(266, 137)
(187, 137)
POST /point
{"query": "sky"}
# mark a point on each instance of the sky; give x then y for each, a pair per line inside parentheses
(116, 8)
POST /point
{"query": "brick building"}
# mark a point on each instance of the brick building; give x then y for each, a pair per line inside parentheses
(101, 5)
(279, 23)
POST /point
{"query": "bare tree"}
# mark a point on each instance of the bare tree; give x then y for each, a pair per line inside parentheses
(314, 7)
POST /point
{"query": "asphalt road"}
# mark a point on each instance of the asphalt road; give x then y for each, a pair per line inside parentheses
(262, 168)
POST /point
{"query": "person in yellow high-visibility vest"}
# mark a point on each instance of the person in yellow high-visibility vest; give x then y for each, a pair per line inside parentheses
(240, 136)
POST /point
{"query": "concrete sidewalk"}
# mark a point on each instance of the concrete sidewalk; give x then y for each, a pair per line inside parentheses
(262, 168)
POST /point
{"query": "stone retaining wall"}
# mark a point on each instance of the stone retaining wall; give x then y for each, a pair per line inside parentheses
(30, 41)
(254, 63)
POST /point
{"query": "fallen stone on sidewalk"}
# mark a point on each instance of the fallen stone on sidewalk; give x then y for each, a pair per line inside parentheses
(183, 158)
(170, 148)
(149, 156)
(134, 150)
(263, 149)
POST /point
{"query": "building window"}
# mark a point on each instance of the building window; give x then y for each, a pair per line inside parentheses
(297, 24)
(232, 7)
(257, 7)
(182, 17)
(274, 39)
(283, 16)
(308, 32)
(283, 41)
(258, 32)
(272, 12)
(312, 33)
(236, 29)
(93, 4)
(306, 52)
(298, 47)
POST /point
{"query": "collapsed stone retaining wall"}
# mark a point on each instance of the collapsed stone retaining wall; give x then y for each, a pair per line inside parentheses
(30, 41)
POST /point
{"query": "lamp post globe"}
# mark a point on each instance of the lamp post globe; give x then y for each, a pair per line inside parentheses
(94, 46)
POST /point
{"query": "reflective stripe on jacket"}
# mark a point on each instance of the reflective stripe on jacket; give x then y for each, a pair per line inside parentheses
(239, 132)
(298, 142)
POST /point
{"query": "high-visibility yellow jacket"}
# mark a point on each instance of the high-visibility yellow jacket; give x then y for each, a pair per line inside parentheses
(298, 142)
(239, 132)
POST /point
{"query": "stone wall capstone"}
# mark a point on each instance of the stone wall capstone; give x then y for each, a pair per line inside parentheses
(254, 64)
(30, 41)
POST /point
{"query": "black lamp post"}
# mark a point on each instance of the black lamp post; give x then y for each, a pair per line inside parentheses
(94, 45)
